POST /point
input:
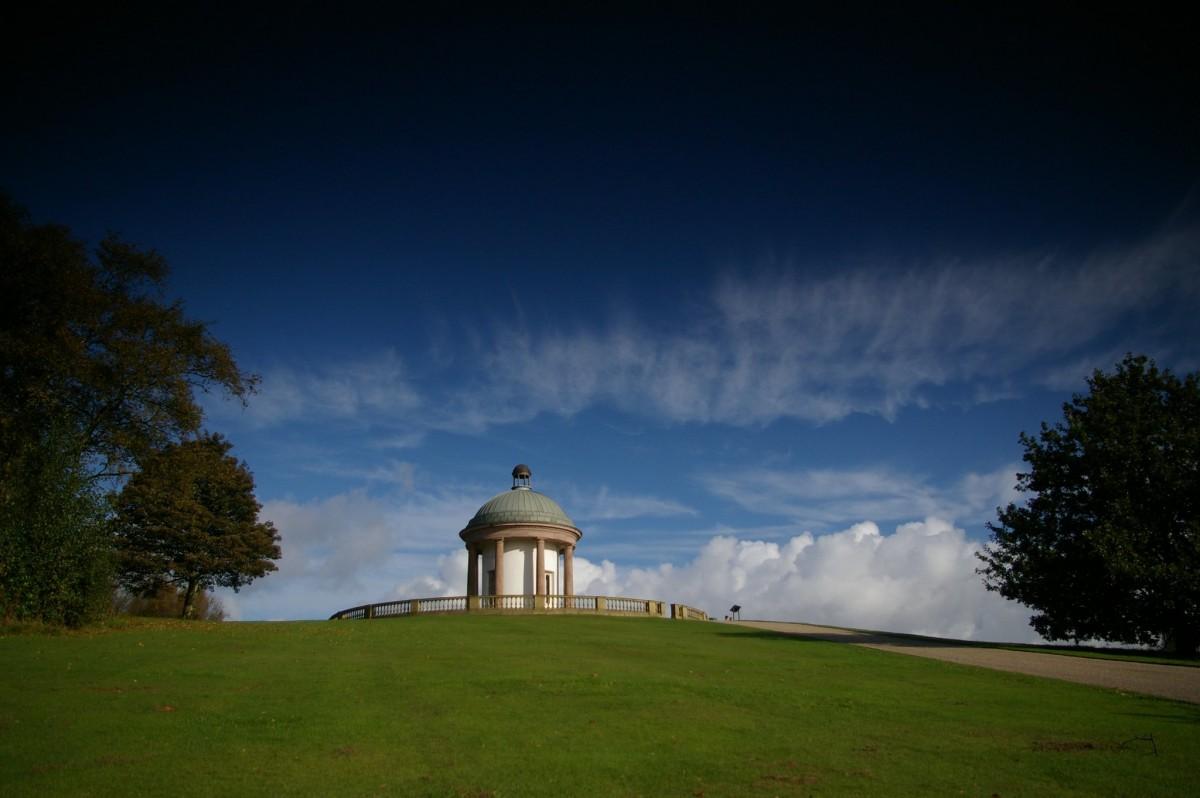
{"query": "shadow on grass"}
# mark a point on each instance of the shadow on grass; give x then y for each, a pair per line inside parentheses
(1189, 715)
(864, 636)
(821, 637)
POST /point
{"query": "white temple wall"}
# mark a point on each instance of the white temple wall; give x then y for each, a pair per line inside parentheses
(519, 566)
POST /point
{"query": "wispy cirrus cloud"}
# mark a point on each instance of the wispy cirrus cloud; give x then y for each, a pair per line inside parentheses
(409, 439)
(393, 472)
(365, 389)
(784, 342)
(830, 497)
(787, 342)
(606, 505)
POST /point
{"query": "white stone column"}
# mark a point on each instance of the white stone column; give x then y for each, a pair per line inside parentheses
(499, 566)
(569, 571)
(539, 588)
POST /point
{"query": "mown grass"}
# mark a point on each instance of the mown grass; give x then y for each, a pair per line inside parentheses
(513, 706)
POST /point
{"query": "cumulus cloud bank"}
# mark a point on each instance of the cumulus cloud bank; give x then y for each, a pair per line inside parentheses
(358, 547)
(355, 548)
(920, 579)
(352, 548)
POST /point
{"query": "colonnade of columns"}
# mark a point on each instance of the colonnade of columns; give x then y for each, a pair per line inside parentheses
(475, 550)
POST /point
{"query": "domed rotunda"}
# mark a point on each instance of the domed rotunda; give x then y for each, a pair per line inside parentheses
(526, 541)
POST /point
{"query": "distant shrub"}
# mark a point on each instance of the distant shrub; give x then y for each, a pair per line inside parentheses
(167, 602)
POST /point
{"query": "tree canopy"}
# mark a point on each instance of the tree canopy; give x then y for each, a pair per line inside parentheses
(89, 344)
(189, 518)
(97, 371)
(1107, 545)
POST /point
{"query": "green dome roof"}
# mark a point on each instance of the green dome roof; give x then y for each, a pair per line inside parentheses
(520, 506)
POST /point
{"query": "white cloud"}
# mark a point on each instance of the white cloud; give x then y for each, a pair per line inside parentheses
(329, 540)
(393, 472)
(451, 580)
(821, 497)
(978, 494)
(920, 579)
(784, 343)
(410, 439)
(605, 505)
(356, 547)
(351, 549)
(371, 387)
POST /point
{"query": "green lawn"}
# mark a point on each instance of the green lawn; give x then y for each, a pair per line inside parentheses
(576, 706)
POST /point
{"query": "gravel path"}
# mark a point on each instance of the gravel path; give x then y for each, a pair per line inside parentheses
(1168, 681)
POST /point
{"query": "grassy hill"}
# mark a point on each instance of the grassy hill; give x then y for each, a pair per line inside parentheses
(514, 706)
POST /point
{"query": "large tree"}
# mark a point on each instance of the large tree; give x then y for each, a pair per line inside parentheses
(189, 518)
(1107, 545)
(97, 369)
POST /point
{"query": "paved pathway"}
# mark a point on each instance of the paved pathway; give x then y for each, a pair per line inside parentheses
(1168, 681)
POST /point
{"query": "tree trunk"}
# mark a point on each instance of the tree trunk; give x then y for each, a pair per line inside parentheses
(189, 599)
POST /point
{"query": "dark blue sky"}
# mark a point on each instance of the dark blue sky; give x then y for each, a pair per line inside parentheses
(744, 273)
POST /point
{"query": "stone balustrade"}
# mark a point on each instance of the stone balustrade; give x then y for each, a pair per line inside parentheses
(682, 612)
(516, 604)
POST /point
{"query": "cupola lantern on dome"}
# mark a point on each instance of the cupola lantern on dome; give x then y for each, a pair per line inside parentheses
(522, 477)
(521, 542)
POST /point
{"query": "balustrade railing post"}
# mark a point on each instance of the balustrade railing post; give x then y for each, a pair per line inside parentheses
(370, 611)
(472, 603)
(601, 605)
(414, 606)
